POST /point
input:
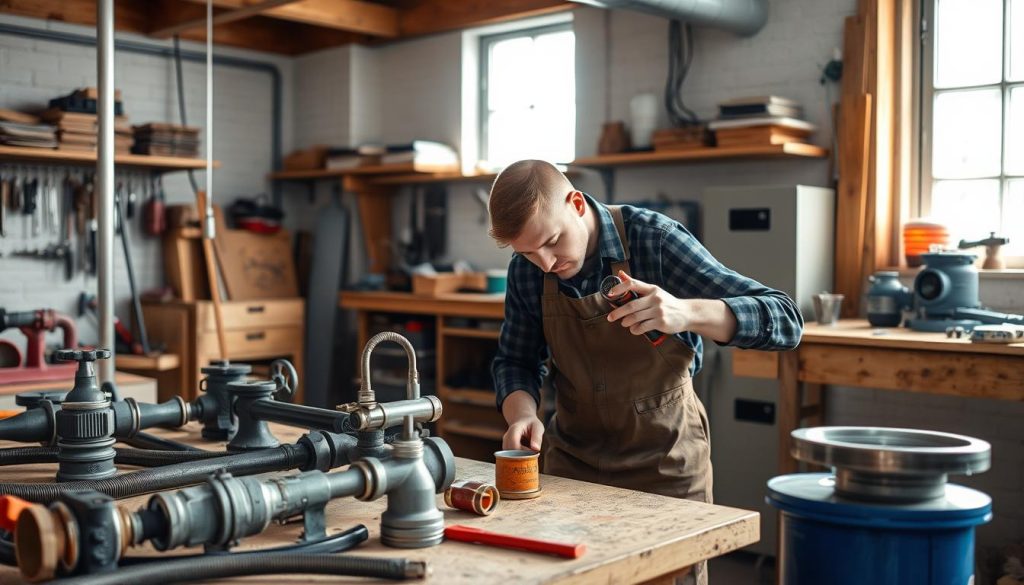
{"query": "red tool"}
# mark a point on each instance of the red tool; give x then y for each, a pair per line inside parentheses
(655, 337)
(480, 536)
(35, 324)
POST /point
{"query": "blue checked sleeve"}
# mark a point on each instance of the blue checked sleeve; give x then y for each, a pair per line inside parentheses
(522, 350)
(765, 318)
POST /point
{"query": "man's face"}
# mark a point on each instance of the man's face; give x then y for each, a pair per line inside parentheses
(555, 240)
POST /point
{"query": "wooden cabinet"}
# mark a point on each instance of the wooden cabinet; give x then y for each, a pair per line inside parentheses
(253, 331)
(467, 327)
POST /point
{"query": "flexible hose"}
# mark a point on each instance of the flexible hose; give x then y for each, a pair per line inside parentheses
(144, 440)
(169, 476)
(258, 563)
(139, 457)
(340, 542)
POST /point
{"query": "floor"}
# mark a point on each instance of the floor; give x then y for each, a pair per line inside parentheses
(742, 568)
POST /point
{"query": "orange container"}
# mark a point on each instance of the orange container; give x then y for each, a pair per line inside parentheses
(919, 236)
(517, 474)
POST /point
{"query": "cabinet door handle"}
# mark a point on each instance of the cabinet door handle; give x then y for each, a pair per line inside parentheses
(255, 309)
(255, 336)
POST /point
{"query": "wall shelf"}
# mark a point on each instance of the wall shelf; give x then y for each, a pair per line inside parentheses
(396, 169)
(470, 332)
(50, 156)
(790, 150)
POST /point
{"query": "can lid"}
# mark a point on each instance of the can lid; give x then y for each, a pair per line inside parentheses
(813, 495)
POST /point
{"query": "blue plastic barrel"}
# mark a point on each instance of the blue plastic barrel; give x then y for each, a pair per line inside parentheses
(838, 541)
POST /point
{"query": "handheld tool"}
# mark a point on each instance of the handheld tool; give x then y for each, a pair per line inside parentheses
(655, 337)
(119, 227)
(5, 196)
(481, 536)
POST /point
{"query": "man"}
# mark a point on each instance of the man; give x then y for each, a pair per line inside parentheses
(625, 412)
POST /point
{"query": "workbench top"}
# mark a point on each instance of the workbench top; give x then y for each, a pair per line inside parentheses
(631, 537)
(860, 332)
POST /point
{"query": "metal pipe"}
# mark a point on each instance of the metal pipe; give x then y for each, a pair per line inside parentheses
(366, 394)
(105, 180)
(298, 415)
(209, 231)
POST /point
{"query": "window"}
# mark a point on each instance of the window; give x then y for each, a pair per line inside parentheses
(528, 95)
(972, 163)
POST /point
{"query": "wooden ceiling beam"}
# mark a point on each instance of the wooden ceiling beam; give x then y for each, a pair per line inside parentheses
(165, 30)
(424, 17)
(355, 16)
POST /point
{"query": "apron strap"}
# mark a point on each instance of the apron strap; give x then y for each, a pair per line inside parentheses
(550, 284)
(620, 226)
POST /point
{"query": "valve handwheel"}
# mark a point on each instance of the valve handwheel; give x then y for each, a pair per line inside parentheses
(283, 373)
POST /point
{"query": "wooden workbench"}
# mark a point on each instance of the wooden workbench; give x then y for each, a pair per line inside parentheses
(853, 353)
(631, 537)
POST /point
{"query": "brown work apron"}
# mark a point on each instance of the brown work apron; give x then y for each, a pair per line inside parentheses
(626, 414)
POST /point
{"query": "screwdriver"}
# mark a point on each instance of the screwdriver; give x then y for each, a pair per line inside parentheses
(655, 337)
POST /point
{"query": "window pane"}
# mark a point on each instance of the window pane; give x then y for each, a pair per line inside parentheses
(1016, 40)
(510, 73)
(1013, 217)
(968, 42)
(509, 136)
(555, 68)
(1015, 133)
(970, 209)
(967, 134)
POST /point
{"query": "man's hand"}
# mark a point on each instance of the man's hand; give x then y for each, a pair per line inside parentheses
(658, 310)
(524, 428)
(655, 310)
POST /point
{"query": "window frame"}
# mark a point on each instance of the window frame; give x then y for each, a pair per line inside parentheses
(926, 90)
(485, 43)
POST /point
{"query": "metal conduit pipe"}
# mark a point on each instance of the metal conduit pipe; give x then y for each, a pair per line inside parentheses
(225, 509)
(743, 17)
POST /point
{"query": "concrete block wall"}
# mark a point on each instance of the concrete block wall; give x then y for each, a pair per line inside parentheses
(33, 71)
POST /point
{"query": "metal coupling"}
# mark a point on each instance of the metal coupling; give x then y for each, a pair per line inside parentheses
(384, 415)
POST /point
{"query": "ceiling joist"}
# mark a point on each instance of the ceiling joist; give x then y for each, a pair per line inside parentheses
(167, 30)
(356, 16)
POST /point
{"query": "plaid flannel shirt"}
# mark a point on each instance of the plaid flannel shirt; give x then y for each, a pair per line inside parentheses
(663, 253)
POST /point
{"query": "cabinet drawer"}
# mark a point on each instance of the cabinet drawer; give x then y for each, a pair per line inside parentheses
(246, 315)
(258, 342)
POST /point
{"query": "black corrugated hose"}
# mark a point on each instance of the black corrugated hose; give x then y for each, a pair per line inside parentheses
(257, 563)
(169, 476)
(340, 542)
(144, 440)
(139, 457)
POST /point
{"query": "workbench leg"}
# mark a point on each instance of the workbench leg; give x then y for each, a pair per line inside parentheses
(790, 405)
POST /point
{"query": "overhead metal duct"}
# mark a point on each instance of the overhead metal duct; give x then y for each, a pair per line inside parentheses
(744, 17)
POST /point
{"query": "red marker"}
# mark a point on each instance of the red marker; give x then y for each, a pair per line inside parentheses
(480, 536)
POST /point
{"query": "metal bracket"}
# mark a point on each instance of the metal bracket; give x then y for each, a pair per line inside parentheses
(314, 523)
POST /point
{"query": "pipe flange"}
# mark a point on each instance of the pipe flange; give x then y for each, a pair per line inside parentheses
(226, 368)
(374, 476)
(182, 408)
(51, 416)
(891, 464)
(136, 415)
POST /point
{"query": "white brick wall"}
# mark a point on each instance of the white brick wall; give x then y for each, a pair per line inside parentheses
(33, 71)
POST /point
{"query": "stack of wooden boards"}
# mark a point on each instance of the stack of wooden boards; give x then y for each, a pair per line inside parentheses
(166, 140)
(77, 123)
(760, 121)
(19, 129)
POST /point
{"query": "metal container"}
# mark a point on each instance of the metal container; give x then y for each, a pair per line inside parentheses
(886, 299)
(886, 515)
(827, 307)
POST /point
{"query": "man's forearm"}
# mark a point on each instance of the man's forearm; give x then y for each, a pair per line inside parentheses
(711, 318)
(518, 405)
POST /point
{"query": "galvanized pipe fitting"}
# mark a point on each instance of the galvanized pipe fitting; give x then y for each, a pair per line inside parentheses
(366, 394)
(85, 423)
(215, 403)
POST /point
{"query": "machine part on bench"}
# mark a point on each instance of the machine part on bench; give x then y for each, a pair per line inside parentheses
(217, 419)
(252, 433)
(31, 400)
(85, 423)
(384, 415)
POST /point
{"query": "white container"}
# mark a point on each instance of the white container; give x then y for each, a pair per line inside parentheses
(643, 110)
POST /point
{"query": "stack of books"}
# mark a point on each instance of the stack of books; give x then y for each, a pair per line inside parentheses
(421, 152)
(341, 158)
(19, 129)
(760, 121)
(158, 139)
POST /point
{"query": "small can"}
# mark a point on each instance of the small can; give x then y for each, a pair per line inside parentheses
(472, 496)
(655, 337)
(517, 474)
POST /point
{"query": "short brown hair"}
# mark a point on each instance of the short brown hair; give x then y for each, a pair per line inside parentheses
(517, 194)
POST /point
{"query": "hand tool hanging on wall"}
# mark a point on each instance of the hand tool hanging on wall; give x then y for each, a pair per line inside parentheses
(129, 204)
(119, 227)
(29, 191)
(60, 252)
(154, 213)
(5, 198)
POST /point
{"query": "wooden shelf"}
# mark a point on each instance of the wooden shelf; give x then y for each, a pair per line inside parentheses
(470, 430)
(468, 396)
(470, 332)
(432, 178)
(49, 155)
(158, 362)
(397, 169)
(791, 150)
